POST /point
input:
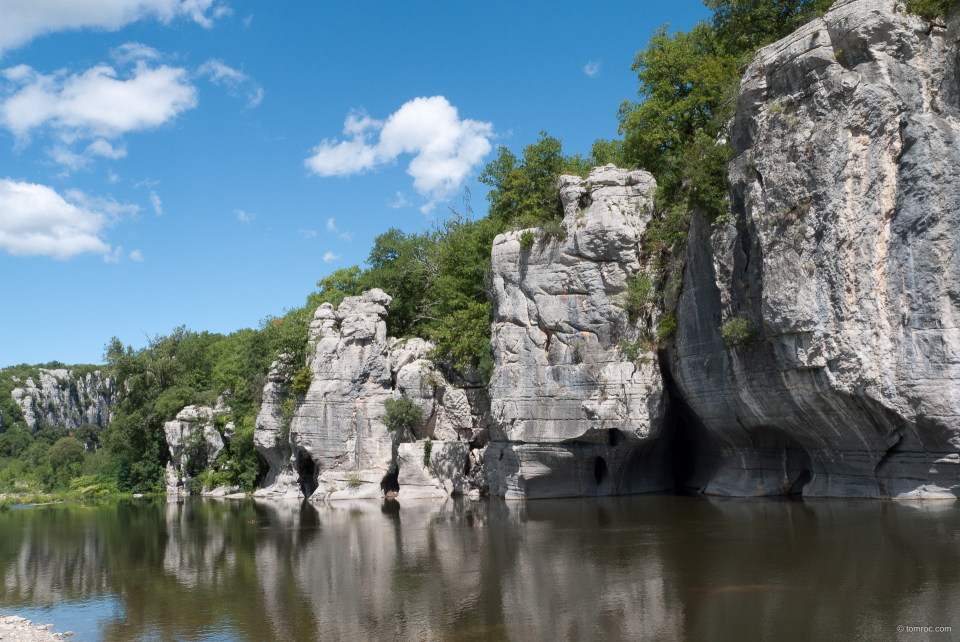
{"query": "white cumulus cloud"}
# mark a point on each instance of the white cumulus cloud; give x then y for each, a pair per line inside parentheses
(24, 20)
(592, 68)
(445, 148)
(245, 217)
(137, 256)
(330, 256)
(37, 221)
(237, 83)
(97, 103)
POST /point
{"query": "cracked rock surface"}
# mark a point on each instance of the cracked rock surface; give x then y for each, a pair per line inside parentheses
(335, 445)
(843, 259)
(570, 415)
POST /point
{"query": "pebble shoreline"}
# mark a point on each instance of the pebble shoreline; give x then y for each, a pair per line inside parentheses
(13, 627)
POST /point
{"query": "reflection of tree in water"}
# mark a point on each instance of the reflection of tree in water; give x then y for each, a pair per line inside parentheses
(619, 568)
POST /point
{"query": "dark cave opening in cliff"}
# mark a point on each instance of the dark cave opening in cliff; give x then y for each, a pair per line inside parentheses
(600, 470)
(690, 453)
(797, 466)
(306, 474)
(391, 481)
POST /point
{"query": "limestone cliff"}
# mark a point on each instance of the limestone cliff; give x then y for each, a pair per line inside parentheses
(330, 442)
(817, 349)
(65, 398)
(571, 414)
(843, 262)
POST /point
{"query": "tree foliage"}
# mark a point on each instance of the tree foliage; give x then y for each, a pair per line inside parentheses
(401, 413)
(687, 95)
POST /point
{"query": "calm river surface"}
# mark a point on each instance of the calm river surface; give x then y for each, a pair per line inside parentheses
(630, 568)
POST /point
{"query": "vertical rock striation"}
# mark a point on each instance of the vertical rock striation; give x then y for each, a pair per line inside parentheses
(571, 415)
(843, 263)
(65, 398)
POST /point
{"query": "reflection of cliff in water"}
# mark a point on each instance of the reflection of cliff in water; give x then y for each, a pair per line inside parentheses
(645, 567)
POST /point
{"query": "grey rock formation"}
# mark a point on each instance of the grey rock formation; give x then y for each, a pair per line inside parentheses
(272, 437)
(65, 398)
(445, 475)
(843, 260)
(571, 415)
(332, 444)
(180, 431)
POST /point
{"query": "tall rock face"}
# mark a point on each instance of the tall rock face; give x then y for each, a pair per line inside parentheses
(65, 398)
(331, 442)
(842, 265)
(570, 414)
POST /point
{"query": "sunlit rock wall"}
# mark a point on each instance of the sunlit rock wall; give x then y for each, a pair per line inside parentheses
(571, 415)
(334, 445)
(843, 258)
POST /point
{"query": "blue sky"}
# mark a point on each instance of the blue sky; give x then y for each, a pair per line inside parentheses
(168, 162)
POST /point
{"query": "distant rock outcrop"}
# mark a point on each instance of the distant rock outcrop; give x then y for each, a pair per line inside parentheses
(65, 398)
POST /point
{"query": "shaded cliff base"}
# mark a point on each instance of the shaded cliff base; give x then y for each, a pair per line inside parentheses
(765, 461)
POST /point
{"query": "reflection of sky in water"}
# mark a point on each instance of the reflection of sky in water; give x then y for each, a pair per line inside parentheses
(84, 617)
(635, 568)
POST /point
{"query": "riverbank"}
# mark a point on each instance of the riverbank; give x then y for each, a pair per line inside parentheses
(13, 627)
(9, 500)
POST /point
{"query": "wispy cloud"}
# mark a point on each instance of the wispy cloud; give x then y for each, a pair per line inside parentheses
(156, 202)
(400, 202)
(592, 68)
(113, 177)
(245, 217)
(113, 257)
(307, 234)
(247, 21)
(330, 256)
(137, 256)
(99, 147)
(236, 82)
(333, 229)
(25, 20)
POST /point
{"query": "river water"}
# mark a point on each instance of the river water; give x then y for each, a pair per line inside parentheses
(630, 568)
